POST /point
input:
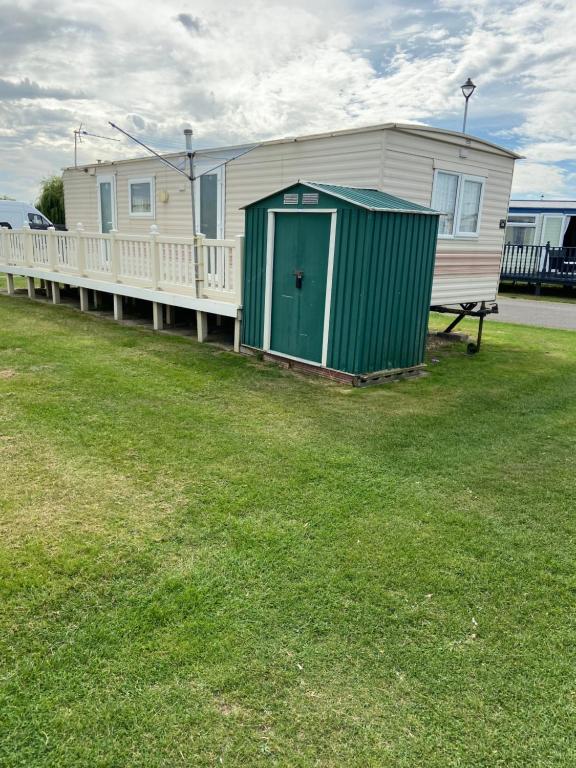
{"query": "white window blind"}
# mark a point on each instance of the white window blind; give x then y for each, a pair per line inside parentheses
(444, 200)
(552, 230)
(458, 197)
(470, 209)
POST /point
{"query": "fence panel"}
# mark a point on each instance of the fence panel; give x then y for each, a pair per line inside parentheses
(66, 251)
(209, 268)
(539, 264)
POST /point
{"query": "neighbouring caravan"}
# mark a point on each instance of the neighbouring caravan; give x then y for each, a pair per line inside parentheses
(538, 222)
(464, 177)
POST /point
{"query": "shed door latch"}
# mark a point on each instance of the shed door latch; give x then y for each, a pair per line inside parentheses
(298, 276)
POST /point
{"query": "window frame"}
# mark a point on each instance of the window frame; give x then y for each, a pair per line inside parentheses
(203, 166)
(42, 224)
(457, 233)
(151, 181)
(524, 225)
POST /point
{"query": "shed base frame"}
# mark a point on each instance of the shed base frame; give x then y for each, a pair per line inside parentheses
(466, 310)
(353, 379)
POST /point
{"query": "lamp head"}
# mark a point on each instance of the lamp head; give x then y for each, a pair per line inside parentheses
(468, 89)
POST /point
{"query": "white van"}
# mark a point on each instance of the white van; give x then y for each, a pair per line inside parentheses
(15, 215)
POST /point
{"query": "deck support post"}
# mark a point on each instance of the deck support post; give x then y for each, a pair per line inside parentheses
(10, 284)
(84, 299)
(118, 307)
(31, 288)
(55, 293)
(157, 316)
(97, 297)
(48, 288)
(169, 315)
(201, 325)
(237, 331)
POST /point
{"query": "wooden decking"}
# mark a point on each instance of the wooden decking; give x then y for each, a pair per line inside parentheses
(198, 274)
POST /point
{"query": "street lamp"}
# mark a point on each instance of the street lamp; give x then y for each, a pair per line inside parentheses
(467, 90)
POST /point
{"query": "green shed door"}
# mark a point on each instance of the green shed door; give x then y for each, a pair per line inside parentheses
(301, 243)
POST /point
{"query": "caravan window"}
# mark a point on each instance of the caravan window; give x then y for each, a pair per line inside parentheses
(520, 230)
(209, 205)
(141, 197)
(459, 198)
(209, 197)
(444, 199)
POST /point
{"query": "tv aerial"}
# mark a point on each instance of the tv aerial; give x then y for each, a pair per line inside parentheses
(78, 133)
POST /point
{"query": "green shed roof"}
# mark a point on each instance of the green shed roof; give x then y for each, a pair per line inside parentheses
(372, 199)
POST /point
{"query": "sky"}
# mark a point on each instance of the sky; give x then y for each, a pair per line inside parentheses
(260, 69)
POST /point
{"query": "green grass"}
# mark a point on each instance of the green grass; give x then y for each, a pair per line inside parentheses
(208, 561)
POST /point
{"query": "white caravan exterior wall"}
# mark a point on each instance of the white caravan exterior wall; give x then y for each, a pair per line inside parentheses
(399, 159)
(171, 217)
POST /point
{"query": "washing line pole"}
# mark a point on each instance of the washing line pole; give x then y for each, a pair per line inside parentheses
(189, 174)
(188, 133)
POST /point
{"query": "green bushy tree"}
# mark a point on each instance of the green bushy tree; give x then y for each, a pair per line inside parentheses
(51, 199)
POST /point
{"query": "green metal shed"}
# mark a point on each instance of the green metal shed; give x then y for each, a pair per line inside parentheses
(339, 279)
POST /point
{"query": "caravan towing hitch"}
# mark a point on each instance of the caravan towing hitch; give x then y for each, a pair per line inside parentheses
(468, 310)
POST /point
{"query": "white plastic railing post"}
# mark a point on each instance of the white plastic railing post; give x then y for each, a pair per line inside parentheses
(51, 247)
(5, 240)
(154, 257)
(201, 266)
(81, 248)
(114, 255)
(28, 245)
(239, 269)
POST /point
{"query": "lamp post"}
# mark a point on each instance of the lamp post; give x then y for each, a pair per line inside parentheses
(467, 90)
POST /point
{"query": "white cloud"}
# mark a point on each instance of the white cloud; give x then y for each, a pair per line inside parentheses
(256, 70)
(535, 179)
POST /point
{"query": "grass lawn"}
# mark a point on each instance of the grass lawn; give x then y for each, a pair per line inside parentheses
(209, 561)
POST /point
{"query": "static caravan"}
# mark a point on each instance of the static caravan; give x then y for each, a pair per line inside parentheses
(540, 243)
(464, 177)
(537, 222)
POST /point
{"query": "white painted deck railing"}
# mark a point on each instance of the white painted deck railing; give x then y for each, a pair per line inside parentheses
(202, 269)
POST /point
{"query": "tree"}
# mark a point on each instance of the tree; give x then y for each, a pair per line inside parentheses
(51, 200)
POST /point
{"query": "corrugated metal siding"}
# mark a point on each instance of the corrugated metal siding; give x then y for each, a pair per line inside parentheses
(254, 277)
(381, 290)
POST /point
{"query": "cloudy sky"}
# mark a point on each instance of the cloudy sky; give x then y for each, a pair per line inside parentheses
(259, 69)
